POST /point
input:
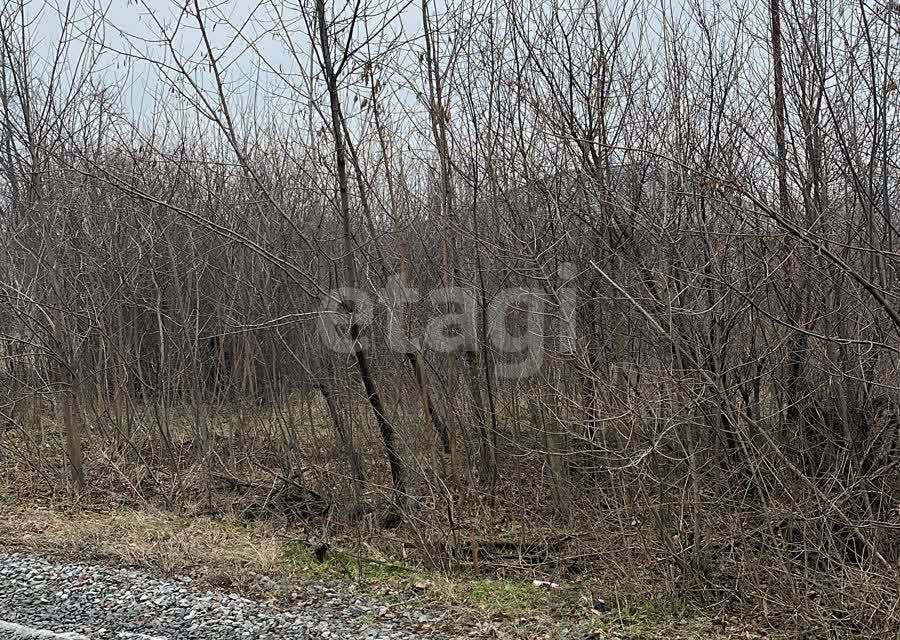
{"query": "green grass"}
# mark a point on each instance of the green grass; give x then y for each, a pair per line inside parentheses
(503, 597)
(489, 596)
(299, 559)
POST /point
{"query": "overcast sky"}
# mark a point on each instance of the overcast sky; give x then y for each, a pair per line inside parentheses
(244, 34)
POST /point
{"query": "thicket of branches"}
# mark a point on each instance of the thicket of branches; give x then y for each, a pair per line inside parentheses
(712, 186)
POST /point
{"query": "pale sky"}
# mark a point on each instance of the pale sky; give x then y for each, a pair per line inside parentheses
(245, 34)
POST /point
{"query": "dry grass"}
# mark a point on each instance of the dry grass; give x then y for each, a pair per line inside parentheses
(184, 522)
(220, 553)
(258, 561)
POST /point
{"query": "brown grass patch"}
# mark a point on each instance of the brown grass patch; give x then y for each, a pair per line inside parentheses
(220, 553)
(256, 560)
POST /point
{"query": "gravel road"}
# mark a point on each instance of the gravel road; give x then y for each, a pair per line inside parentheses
(40, 598)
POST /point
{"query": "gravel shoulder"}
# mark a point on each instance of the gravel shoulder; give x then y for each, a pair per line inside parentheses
(49, 599)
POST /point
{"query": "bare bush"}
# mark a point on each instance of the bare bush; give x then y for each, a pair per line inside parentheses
(684, 218)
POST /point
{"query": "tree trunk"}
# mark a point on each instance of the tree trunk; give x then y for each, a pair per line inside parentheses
(362, 363)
